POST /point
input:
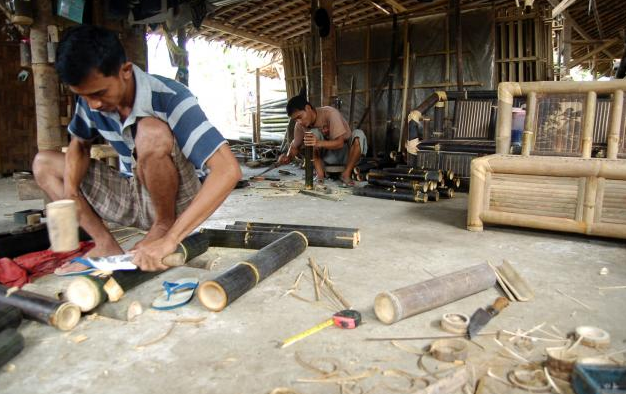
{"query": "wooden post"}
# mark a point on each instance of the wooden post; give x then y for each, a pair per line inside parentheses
(136, 47)
(617, 106)
(182, 75)
(328, 57)
(46, 81)
(459, 44)
(257, 120)
(405, 89)
(352, 94)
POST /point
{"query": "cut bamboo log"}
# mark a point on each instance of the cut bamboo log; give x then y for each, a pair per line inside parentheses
(59, 314)
(294, 227)
(409, 185)
(259, 237)
(10, 317)
(89, 292)
(11, 344)
(232, 284)
(428, 175)
(389, 194)
(433, 195)
(445, 192)
(393, 306)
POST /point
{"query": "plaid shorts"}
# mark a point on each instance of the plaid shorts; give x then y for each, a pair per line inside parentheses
(123, 200)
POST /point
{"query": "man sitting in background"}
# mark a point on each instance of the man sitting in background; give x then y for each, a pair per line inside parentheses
(326, 130)
(164, 141)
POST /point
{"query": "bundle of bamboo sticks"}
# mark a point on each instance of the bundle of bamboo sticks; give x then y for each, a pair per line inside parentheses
(406, 183)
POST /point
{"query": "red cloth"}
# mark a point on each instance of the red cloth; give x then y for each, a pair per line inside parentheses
(23, 269)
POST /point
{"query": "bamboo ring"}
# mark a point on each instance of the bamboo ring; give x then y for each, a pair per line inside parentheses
(449, 350)
(529, 379)
(593, 336)
(455, 323)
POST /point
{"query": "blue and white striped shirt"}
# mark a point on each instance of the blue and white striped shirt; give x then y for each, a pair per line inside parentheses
(158, 97)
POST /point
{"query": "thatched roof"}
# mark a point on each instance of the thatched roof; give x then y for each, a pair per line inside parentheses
(267, 24)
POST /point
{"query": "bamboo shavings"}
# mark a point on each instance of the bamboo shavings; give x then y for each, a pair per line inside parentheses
(575, 300)
(611, 287)
(532, 338)
(342, 379)
(284, 390)
(336, 364)
(510, 351)
(498, 378)
(406, 348)
(551, 381)
(157, 339)
(414, 382)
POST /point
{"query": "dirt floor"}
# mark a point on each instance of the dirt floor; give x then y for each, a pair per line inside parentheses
(192, 350)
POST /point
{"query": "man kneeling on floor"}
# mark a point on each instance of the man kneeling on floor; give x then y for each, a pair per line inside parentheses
(326, 130)
(164, 141)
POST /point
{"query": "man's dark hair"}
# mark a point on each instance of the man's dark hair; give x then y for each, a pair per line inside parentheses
(298, 103)
(86, 48)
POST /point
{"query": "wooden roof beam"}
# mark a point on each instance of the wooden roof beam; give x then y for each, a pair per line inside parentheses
(212, 24)
(591, 54)
(282, 6)
(581, 32)
(397, 7)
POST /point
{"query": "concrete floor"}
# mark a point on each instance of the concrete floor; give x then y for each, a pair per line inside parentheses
(235, 351)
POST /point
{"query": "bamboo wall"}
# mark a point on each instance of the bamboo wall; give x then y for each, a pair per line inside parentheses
(18, 132)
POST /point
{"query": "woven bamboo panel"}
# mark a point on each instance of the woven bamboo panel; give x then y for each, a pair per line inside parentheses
(18, 131)
(534, 195)
(614, 202)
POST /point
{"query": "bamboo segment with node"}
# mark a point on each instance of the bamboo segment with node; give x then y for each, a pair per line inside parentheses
(393, 306)
(220, 292)
(308, 230)
(410, 185)
(260, 237)
(390, 194)
(56, 313)
(89, 292)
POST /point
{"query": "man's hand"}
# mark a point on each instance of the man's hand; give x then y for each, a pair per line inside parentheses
(311, 140)
(149, 255)
(284, 159)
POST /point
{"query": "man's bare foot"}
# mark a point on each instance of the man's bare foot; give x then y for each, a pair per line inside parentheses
(108, 249)
(346, 180)
(157, 231)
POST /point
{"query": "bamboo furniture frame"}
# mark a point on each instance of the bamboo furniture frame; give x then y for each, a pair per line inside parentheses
(574, 194)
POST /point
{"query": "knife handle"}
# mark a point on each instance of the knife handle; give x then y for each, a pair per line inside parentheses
(500, 303)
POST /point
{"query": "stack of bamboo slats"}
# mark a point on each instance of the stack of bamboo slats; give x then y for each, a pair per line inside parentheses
(406, 183)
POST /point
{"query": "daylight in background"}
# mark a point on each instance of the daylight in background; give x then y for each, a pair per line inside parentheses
(223, 79)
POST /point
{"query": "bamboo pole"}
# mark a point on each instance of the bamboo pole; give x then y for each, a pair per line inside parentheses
(232, 284)
(615, 125)
(259, 237)
(46, 81)
(529, 123)
(257, 118)
(589, 120)
(393, 306)
(405, 88)
(56, 313)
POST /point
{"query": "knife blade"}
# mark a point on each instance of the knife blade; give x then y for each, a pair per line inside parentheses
(482, 316)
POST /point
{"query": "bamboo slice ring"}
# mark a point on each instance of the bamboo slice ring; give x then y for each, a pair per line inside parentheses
(455, 323)
(529, 379)
(560, 363)
(449, 350)
(66, 317)
(593, 336)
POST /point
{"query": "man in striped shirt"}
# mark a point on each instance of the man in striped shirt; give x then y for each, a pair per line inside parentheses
(164, 140)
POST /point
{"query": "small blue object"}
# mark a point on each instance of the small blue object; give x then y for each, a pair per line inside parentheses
(176, 294)
(599, 379)
(516, 137)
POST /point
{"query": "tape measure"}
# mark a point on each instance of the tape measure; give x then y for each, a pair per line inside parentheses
(347, 319)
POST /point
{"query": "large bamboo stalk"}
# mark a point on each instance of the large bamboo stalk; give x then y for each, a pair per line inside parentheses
(393, 306)
(259, 237)
(409, 185)
(10, 317)
(293, 226)
(232, 284)
(615, 125)
(390, 194)
(11, 344)
(60, 314)
(46, 81)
